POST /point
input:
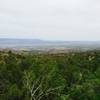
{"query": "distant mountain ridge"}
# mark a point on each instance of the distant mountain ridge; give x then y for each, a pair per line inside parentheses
(12, 40)
(8, 40)
(26, 43)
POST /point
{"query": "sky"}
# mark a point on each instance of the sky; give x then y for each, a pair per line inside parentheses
(50, 19)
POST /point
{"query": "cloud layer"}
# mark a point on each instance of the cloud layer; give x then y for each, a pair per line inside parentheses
(50, 19)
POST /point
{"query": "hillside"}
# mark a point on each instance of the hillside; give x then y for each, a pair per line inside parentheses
(71, 76)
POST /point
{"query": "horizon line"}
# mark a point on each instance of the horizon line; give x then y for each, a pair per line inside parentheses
(59, 40)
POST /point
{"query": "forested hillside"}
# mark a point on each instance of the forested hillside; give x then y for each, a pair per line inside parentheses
(70, 76)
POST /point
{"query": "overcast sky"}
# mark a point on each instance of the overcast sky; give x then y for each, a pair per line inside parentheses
(50, 19)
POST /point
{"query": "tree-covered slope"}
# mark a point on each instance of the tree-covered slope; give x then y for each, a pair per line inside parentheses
(71, 76)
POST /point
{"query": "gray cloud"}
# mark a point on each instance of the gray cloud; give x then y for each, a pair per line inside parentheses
(50, 19)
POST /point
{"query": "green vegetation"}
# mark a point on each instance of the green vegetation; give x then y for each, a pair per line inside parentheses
(72, 76)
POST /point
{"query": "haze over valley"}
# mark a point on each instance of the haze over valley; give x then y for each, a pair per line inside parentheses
(47, 46)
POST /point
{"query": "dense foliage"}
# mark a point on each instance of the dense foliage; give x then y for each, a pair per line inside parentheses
(71, 76)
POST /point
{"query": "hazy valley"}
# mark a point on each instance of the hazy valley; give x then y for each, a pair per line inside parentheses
(41, 46)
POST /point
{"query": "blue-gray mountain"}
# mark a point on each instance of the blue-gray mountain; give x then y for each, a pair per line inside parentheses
(40, 44)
